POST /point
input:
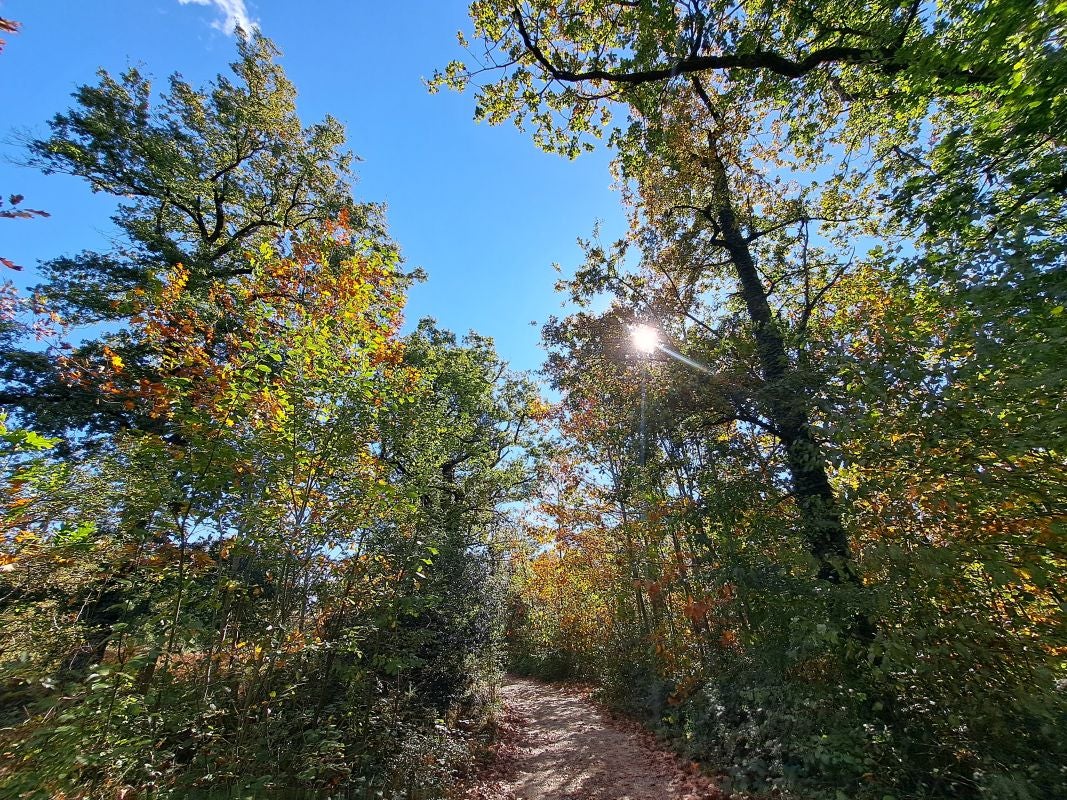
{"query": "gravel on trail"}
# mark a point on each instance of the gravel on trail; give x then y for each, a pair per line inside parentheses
(557, 745)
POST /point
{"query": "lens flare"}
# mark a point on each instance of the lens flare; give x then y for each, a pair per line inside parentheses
(645, 338)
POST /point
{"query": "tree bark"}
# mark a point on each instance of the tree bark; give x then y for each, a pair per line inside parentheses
(820, 512)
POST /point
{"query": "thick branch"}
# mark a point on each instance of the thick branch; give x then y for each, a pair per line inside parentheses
(694, 63)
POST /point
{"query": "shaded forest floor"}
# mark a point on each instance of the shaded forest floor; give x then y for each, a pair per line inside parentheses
(554, 744)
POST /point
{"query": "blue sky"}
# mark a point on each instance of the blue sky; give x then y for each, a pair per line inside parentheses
(480, 208)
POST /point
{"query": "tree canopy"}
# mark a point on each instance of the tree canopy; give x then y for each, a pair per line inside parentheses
(205, 175)
(820, 490)
(277, 569)
(797, 502)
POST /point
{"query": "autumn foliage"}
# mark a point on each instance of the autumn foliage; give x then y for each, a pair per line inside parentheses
(259, 539)
(277, 576)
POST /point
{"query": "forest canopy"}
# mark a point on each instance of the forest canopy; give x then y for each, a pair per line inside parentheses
(816, 535)
(789, 488)
(250, 536)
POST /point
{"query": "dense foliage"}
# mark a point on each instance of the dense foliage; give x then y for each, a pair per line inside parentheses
(817, 535)
(256, 541)
(203, 176)
(264, 563)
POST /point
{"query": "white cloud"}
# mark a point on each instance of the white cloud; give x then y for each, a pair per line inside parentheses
(234, 14)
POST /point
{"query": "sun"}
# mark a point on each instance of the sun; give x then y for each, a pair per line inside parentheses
(645, 338)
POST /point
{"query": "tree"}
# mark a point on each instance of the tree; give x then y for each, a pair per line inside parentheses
(948, 115)
(277, 570)
(294, 576)
(991, 68)
(848, 218)
(211, 175)
(563, 66)
(467, 448)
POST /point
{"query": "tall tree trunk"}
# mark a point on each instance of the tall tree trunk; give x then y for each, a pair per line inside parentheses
(820, 512)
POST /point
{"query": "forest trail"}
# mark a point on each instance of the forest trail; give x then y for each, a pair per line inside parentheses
(557, 745)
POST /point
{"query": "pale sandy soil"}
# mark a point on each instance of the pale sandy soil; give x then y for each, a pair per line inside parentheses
(556, 745)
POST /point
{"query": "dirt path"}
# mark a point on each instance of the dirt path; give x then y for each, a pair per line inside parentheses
(559, 746)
